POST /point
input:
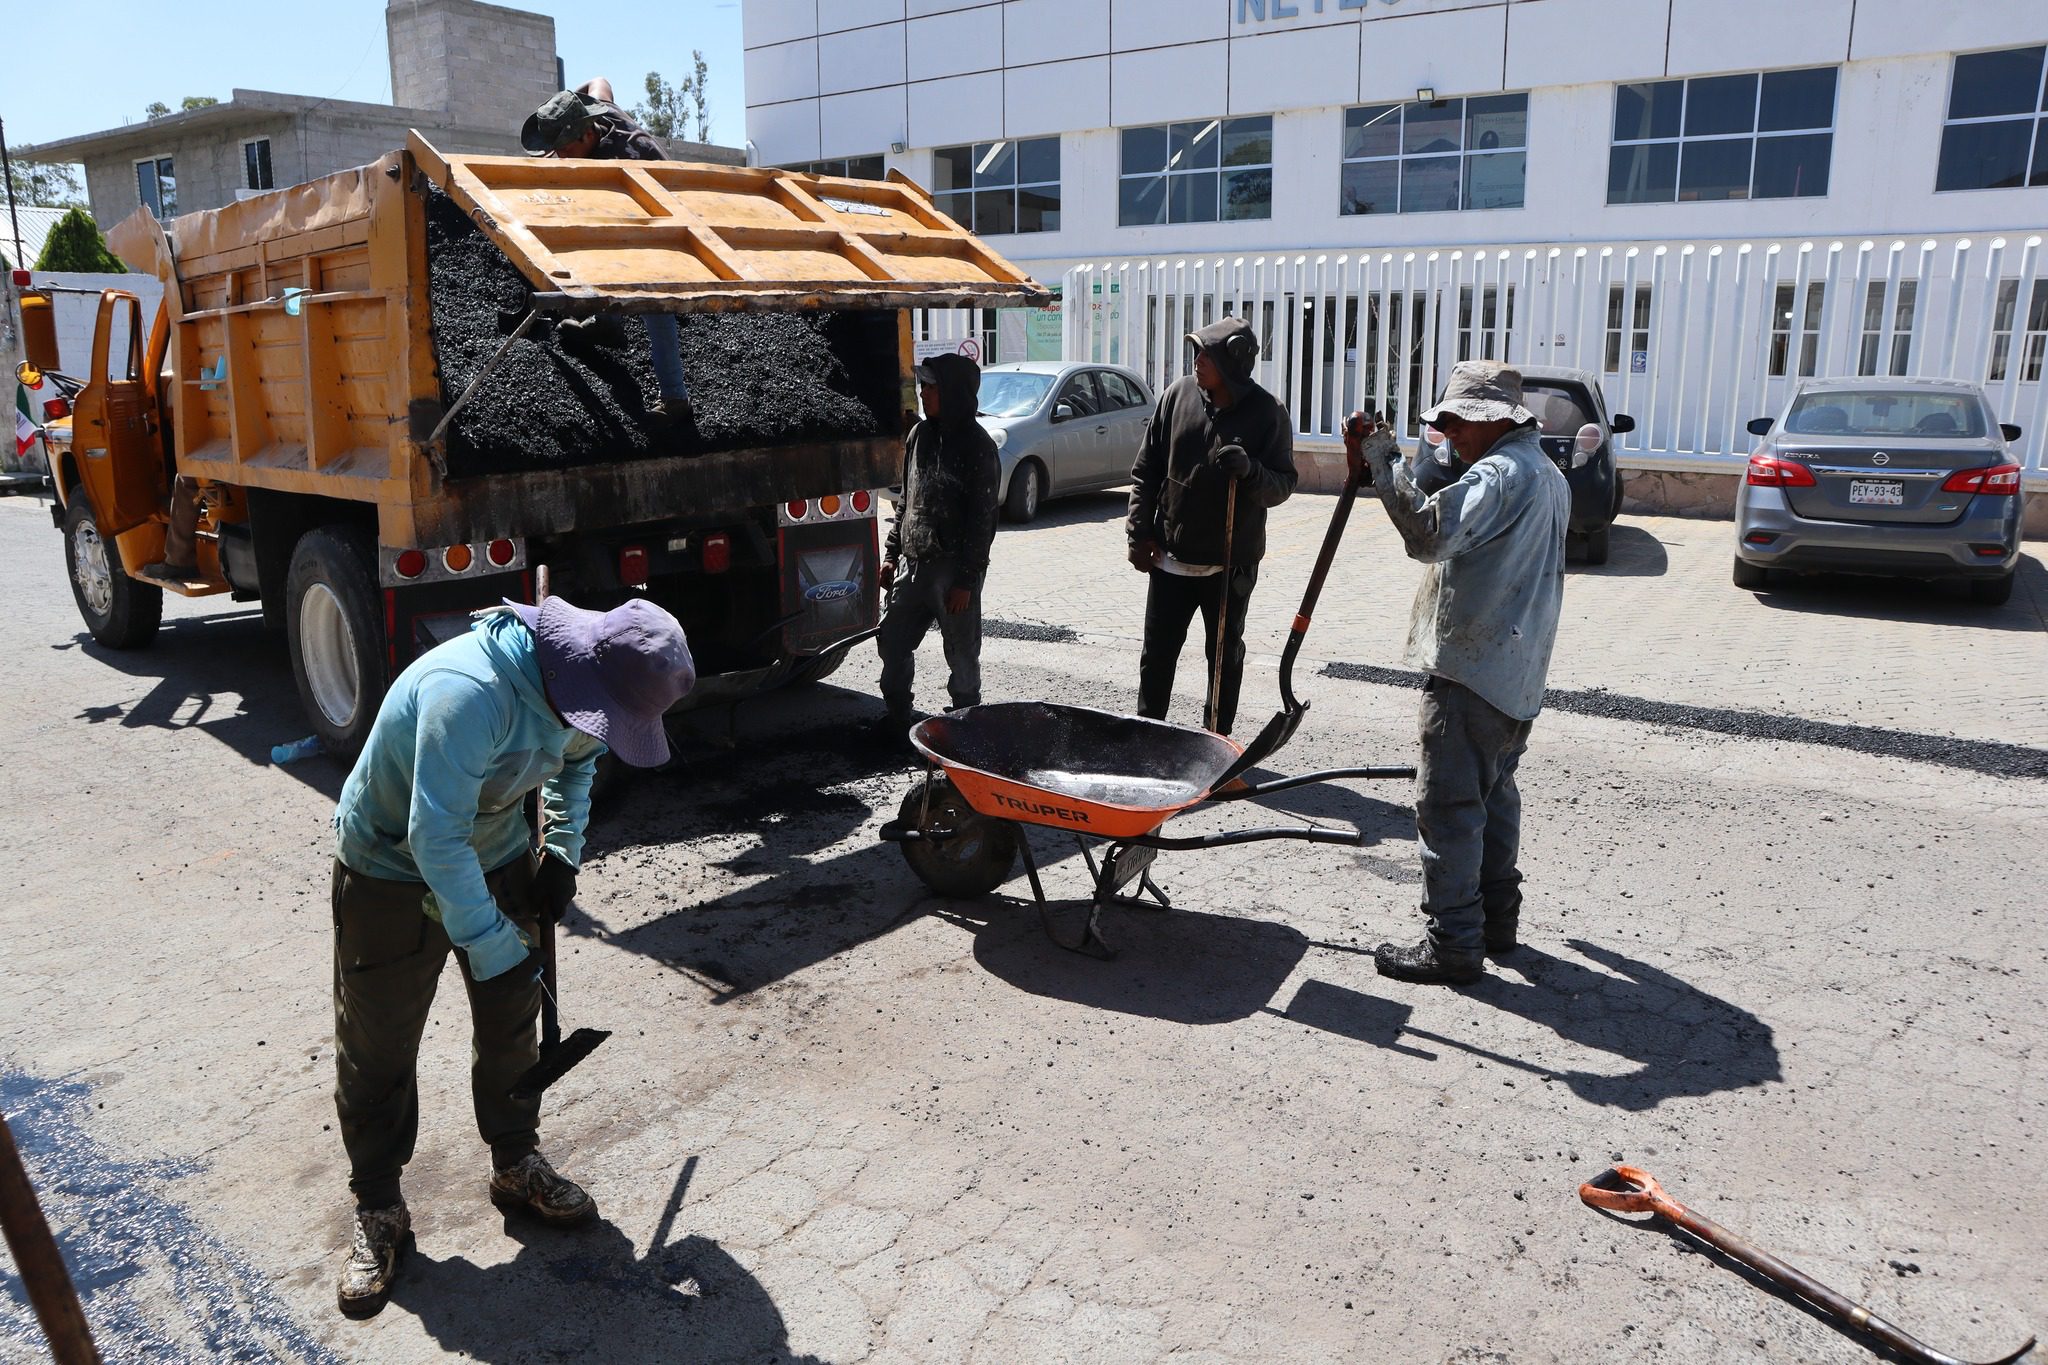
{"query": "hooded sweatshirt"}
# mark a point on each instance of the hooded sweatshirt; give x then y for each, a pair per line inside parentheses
(438, 796)
(1178, 498)
(951, 477)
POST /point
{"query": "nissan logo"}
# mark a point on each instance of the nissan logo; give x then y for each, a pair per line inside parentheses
(1880, 458)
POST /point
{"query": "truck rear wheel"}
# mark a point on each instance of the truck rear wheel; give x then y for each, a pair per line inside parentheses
(337, 636)
(120, 612)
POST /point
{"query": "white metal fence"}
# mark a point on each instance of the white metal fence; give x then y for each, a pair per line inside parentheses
(1691, 339)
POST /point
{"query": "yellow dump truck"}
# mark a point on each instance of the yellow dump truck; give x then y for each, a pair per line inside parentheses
(372, 463)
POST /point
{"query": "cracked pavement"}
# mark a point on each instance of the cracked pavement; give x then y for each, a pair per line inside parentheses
(842, 1120)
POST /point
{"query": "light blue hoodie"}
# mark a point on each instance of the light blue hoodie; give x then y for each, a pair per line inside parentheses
(438, 795)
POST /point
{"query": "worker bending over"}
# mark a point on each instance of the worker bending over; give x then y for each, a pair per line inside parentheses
(434, 852)
(1491, 531)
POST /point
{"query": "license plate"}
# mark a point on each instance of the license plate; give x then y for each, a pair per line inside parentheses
(1877, 493)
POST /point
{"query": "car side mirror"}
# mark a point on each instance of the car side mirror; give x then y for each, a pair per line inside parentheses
(1621, 424)
(1063, 412)
(2009, 430)
(1759, 426)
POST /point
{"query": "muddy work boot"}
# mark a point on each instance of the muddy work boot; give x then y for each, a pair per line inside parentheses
(666, 414)
(382, 1237)
(1427, 963)
(585, 338)
(531, 1184)
(1501, 935)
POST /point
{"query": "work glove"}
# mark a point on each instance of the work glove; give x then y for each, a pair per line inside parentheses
(1231, 460)
(1369, 447)
(958, 600)
(1144, 555)
(554, 887)
(886, 575)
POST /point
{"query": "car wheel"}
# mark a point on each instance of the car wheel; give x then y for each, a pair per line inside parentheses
(120, 612)
(1750, 577)
(1027, 490)
(1992, 592)
(1596, 546)
(335, 627)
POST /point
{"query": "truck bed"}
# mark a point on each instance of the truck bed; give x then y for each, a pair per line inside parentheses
(757, 380)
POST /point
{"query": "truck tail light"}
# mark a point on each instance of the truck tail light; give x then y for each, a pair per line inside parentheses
(862, 501)
(457, 558)
(501, 553)
(829, 505)
(1768, 471)
(633, 566)
(20, 278)
(798, 509)
(411, 563)
(53, 408)
(1998, 481)
(717, 552)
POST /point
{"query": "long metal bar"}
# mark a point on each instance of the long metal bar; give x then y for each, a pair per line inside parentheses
(40, 1262)
(497, 356)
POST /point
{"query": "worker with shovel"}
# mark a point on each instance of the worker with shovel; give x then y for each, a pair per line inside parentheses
(1484, 622)
(1219, 451)
(434, 853)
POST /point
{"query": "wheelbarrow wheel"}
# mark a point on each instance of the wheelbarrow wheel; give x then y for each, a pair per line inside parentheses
(977, 852)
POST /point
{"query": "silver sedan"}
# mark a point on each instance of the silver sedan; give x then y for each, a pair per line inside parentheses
(1062, 427)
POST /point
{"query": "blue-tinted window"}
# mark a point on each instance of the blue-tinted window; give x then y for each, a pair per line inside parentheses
(1199, 171)
(1996, 136)
(1435, 157)
(1767, 135)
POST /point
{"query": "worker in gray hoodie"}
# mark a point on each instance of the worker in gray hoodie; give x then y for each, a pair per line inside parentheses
(1213, 428)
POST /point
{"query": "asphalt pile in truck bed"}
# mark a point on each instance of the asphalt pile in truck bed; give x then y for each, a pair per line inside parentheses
(756, 379)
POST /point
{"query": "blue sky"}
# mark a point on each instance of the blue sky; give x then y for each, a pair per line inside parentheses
(138, 51)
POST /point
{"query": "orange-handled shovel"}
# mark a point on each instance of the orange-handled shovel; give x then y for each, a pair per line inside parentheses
(1630, 1189)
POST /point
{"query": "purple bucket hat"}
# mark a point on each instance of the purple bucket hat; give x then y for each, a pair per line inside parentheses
(613, 674)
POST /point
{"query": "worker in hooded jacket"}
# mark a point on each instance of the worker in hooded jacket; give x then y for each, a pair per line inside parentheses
(1214, 429)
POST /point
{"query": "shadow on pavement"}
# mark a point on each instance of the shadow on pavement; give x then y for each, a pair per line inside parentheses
(1081, 509)
(223, 675)
(1906, 599)
(1682, 1041)
(1632, 552)
(583, 1294)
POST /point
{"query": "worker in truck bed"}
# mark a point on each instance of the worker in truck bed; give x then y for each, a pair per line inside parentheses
(584, 122)
(434, 853)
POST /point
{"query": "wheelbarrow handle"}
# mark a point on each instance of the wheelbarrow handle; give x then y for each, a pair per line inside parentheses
(1631, 1189)
(1350, 838)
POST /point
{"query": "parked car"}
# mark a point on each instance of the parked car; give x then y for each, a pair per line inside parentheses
(1578, 434)
(1062, 427)
(1911, 478)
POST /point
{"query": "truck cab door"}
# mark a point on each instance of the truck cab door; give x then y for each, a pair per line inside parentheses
(115, 427)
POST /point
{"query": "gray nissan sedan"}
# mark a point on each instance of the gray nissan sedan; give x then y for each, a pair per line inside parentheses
(1062, 427)
(1909, 478)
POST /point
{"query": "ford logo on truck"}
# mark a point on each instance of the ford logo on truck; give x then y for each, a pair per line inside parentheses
(837, 591)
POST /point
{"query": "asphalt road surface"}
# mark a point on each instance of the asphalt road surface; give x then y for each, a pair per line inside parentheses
(841, 1120)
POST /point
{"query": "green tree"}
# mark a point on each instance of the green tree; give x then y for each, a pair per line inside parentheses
(670, 109)
(48, 186)
(155, 109)
(75, 244)
(191, 102)
(696, 85)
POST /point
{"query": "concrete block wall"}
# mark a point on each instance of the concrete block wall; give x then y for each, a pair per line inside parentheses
(484, 65)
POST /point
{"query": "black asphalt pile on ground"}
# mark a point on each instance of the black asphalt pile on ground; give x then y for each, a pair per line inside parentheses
(756, 379)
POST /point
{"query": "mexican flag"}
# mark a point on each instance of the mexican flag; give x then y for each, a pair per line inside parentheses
(25, 428)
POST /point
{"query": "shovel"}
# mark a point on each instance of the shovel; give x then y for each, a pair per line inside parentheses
(1630, 1189)
(558, 1056)
(1287, 720)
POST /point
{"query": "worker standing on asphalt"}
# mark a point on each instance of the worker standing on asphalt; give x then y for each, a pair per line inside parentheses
(434, 852)
(584, 122)
(1213, 428)
(938, 548)
(1491, 530)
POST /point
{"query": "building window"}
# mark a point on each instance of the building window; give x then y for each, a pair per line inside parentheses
(1767, 136)
(1429, 158)
(845, 167)
(1199, 172)
(256, 164)
(157, 185)
(1636, 332)
(997, 187)
(1867, 355)
(1784, 323)
(1996, 136)
(1491, 324)
(2033, 347)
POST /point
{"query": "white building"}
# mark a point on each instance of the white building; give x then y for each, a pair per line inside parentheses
(1701, 197)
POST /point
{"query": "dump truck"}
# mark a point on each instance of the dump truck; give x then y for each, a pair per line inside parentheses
(371, 462)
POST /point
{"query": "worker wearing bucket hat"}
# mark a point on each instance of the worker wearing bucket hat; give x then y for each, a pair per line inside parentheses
(434, 854)
(1489, 523)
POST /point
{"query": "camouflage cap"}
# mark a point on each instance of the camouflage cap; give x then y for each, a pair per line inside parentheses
(557, 121)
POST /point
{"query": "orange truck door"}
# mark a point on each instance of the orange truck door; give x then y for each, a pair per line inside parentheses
(115, 427)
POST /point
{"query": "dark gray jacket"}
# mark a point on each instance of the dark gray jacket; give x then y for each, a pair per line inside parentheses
(951, 476)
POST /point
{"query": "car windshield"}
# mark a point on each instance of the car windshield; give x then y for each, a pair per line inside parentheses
(1560, 411)
(1893, 413)
(1011, 393)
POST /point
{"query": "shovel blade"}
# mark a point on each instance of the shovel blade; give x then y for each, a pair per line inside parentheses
(1278, 731)
(557, 1061)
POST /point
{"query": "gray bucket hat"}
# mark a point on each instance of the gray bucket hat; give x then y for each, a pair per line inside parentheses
(1482, 391)
(557, 121)
(613, 674)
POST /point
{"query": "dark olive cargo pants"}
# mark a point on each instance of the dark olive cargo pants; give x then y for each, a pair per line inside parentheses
(388, 959)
